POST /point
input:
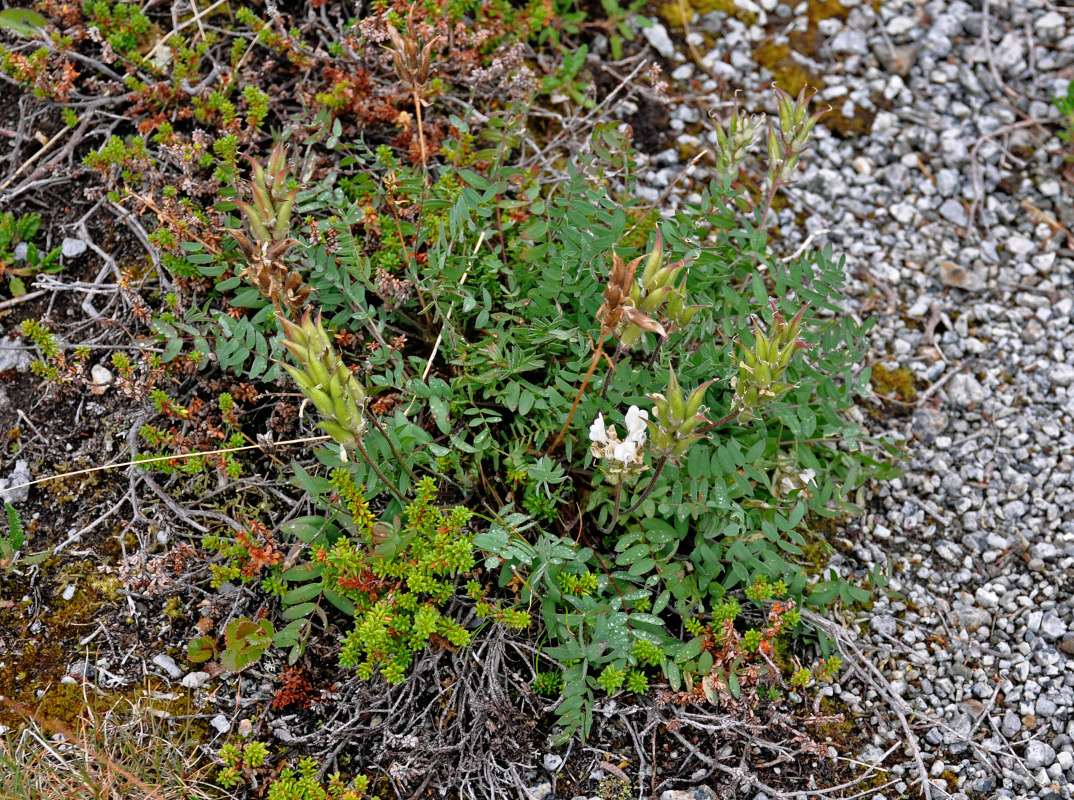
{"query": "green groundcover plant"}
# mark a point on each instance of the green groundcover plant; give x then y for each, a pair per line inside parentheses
(640, 418)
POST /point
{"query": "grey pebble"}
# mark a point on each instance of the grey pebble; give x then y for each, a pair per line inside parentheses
(1039, 754)
(167, 663)
(73, 248)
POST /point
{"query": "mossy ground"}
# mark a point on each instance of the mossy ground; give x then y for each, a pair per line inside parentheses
(792, 59)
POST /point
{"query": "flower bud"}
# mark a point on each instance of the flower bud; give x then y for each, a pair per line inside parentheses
(675, 420)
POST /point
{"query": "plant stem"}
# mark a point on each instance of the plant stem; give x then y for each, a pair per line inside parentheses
(615, 513)
(585, 382)
(652, 483)
(421, 130)
(611, 371)
(365, 454)
(391, 444)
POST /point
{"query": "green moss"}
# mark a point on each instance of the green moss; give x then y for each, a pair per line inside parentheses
(897, 383)
(673, 11)
(38, 662)
(787, 73)
(861, 124)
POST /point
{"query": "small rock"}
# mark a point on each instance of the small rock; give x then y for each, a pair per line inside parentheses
(953, 211)
(897, 26)
(698, 793)
(220, 722)
(195, 680)
(658, 37)
(1050, 26)
(101, 375)
(1045, 707)
(19, 476)
(1061, 374)
(68, 592)
(1020, 246)
(73, 248)
(851, 42)
(21, 251)
(972, 618)
(1011, 724)
(167, 663)
(82, 670)
(1052, 627)
(1039, 754)
(1067, 645)
(965, 390)
(1065, 759)
(552, 762)
(14, 356)
(871, 754)
(246, 728)
(928, 423)
(898, 60)
(947, 181)
(884, 624)
(1010, 51)
(102, 379)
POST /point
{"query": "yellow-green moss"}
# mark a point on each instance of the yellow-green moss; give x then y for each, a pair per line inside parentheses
(897, 383)
(787, 73)
(672, 11)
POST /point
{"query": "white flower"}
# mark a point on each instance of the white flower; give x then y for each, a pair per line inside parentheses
(636, 425)
(789, 483)
(606, 444)
(597, 431)
(627, 452)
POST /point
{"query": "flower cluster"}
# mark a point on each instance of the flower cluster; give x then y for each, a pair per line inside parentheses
(676, 419)
(620, 456)
(761, 369)
(269, 222)
(325, 380)
(632, 306)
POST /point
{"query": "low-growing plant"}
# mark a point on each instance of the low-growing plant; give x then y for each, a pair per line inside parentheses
(291, 784)
(1066, 108)
(53, 366)
(394, 582)
(22, 231)
(691, 507)
(245, 641)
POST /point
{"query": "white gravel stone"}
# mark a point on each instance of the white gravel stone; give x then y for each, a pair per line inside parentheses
(221, 723)
(167, 663)
(73, 248)
(19, 476)
(195, 680)
(1039, 754)
(953, 211)
(850, 41)
(658, 37)
(964, 390)
(1061, 374)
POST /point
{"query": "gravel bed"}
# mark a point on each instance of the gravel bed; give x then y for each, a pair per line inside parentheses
(949, 207)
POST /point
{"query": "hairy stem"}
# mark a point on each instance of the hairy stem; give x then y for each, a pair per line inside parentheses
(395, 451)
(421, 130)
(615, 513)
(381, 475)
(652, 483)
(585, 382)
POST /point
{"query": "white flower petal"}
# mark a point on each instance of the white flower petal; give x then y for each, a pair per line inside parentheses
(807, 477)
(637, 429)
(597, 431)
(635, 422)
(627, 452)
